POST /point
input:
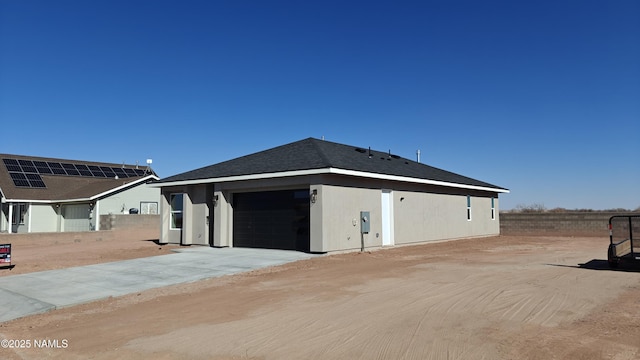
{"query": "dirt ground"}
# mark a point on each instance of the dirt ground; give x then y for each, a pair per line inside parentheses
(491, 298)
(41, 253)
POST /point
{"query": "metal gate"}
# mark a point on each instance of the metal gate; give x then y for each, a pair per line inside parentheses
(624, 242)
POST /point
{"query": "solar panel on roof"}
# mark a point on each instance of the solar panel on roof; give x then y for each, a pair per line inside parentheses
(108, 172)
(37, 184)
(84, 170)
(95, 170)
(23, 166)
(29, 169)
(70, 169)
(56, 168)
(27, 166)
(12, 165)
(120, 172)
(19, 179)
(35, 180)
(42, 167)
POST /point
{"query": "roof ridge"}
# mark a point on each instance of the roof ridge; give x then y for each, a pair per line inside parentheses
(74, 161)
(320, 151)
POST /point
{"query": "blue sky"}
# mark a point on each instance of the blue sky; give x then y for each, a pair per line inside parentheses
(541, 97)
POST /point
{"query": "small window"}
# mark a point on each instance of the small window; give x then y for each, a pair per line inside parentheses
(493, 209)
(176, 210)
(148, 208)
(468, 208)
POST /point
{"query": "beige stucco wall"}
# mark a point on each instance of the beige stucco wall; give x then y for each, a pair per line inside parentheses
(420, 212)
(421, 217)
(44, 218)
(340, 218)
(121, 202)
(417, 217)
(168, 235)
(196, 229)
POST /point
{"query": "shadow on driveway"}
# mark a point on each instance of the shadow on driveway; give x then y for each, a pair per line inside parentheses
(597, 264)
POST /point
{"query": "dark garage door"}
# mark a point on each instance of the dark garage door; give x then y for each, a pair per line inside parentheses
(272, 220)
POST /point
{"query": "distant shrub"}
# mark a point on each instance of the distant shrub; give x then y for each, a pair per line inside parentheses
(540, 208)
(533, 208)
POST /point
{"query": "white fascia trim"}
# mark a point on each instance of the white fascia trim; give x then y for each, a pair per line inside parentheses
(327, 171)
(124, 186)
(243, 177)
(413, 180)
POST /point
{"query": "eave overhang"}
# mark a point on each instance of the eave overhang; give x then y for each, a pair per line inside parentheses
(334, 171)
(91, 198)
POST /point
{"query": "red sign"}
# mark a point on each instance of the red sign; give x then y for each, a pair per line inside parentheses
(5, 254)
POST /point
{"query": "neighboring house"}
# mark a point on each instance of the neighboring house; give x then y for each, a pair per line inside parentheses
(54, 195)
(309, 196)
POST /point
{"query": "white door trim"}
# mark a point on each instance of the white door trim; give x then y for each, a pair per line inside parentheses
(387, 218)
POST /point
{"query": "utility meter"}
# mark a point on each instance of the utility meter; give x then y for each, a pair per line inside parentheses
(365, 222)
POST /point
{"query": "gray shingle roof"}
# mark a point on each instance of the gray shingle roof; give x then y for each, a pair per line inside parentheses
(309, 154)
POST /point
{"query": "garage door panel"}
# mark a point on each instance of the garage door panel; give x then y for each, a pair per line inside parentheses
(273, 220)
(76, 217)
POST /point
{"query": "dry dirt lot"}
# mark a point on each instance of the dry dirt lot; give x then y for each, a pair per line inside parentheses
(40, 253)
(491, 298)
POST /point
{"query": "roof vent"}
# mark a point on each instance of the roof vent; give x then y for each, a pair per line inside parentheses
(360, 150)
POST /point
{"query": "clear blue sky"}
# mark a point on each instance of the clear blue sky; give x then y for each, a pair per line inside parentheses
(541, 97)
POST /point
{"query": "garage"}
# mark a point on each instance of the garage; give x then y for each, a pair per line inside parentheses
(76, 217)
(272, 219)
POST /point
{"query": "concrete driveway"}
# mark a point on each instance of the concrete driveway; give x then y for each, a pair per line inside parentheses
(33, 293)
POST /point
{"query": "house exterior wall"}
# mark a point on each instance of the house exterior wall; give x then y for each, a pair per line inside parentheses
(195, 226)
(167, 234)
(421, 213)
(421, 217)
(340, 218)
(45, 218)
(50, 217)
(121, 202)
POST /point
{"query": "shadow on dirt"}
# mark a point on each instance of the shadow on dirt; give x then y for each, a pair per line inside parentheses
(155, 241)
(596, 264)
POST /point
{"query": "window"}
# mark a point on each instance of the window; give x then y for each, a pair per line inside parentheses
(150, 208)
(19, 211)
(468, 208)
(493, 209)
(176, 210)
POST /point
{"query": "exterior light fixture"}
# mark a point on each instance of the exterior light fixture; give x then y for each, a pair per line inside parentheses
(215, 200)
(314, 195)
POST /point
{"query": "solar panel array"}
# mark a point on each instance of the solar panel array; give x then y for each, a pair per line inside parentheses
(26, 173)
